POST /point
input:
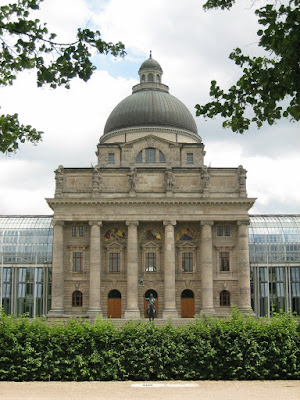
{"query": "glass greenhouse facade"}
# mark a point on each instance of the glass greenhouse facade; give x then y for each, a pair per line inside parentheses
(274, 242)
(26, 261)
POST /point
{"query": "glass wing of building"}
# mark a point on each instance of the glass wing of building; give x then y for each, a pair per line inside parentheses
(274, 242)
(26, 261)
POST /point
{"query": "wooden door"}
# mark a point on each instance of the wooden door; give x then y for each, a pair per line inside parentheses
(187, 307)
(114, 308)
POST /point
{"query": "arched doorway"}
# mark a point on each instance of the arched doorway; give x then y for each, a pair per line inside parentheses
(114, 304)
(187, 304)
(147, 294)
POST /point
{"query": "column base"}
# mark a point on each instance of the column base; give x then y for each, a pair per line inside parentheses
(93, 314)
(132, 314)
(56, 312)
(246, 311)
(170, 313)
(208, 311)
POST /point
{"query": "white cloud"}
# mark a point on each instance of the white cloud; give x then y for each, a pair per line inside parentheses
(192, 47)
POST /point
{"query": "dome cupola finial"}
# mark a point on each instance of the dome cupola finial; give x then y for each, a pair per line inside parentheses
(150, 71)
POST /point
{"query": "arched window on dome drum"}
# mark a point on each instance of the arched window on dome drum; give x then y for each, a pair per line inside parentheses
(224, 298)
(150, 155)
(139, 158)
(77, 299)
(143, 78)
(150, 77)
(157, 78)
(162, 158)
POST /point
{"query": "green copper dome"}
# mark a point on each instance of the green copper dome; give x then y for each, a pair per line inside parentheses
(150, 108)
(150, 105)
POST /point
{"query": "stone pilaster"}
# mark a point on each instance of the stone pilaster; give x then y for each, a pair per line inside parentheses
(57, 298)
(169, 271)
(207, 268)
(244, 300)
(95, 270)
(132, 310)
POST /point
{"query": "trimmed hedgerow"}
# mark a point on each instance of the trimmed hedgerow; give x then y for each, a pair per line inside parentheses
(239, 348)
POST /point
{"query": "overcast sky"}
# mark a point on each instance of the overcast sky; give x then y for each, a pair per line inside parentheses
(192, 47)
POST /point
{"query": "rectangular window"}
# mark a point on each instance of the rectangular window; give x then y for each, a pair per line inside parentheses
(74, 231)
(111, 158)
(150, 262)
(189, 158)
(227, 230)
(150, 155)
(114, 262)
(187, 262)
(224, 261)
(77, 261)
(82, 231)
(220, 230)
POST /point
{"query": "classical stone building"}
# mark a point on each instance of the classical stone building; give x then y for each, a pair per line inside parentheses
(150, 217)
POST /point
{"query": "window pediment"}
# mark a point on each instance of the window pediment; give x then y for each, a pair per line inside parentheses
(150, 245)
(115, 246)
(186, 246)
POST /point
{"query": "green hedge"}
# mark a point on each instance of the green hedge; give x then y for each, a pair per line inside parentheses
(238, 348)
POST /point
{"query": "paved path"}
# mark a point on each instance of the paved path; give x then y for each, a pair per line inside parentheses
(176, 390)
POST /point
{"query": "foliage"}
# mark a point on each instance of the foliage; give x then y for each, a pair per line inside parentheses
(27, 44)
(269, 86)
(238, 348)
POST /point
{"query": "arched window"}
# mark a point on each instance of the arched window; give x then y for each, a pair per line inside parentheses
(150, 77)
(152, 156)
(139, 158)
(162, 158)
(224, 298)
(114, 294)
(157, 78)
(143, 78)
(77, 299)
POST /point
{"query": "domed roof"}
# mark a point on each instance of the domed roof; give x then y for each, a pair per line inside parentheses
(150, 108)
(150, 105)
(150, 63)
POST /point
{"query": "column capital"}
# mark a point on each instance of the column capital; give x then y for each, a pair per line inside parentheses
(57, 223)
(243, 222)
(99, 223)
(202, 223)
(169, 223)
(136, 223)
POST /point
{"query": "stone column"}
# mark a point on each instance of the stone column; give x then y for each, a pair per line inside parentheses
(244, 299)
(169, 271)
(132, 311)
(207, 268)
(95, 270)
(57, 296)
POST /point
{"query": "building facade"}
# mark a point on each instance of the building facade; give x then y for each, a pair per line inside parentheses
(150, 217)
(26, 264)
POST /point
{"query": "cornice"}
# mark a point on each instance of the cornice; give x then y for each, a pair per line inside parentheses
(143, 129)
(143, 201)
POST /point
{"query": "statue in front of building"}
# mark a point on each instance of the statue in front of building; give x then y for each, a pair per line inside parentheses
(151, 310)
